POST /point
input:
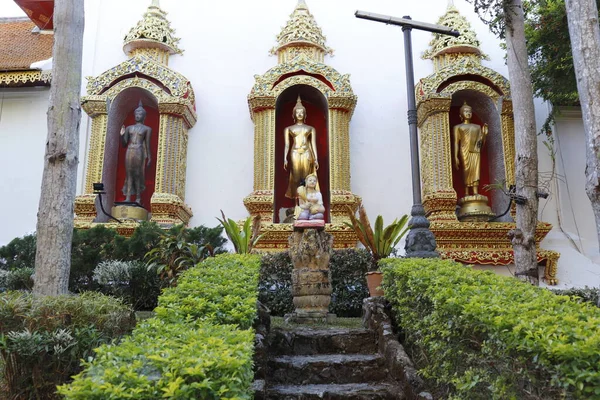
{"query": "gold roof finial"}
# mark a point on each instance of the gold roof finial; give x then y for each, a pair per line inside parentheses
(301, 31)
(152, 31)
(466, 43)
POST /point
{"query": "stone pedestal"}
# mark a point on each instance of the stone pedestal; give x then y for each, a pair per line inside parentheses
(129, 211)
(310, 250)
(474, 208)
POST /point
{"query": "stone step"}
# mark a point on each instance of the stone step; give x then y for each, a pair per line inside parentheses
(307, 341)
(362, 391)
(327, 368)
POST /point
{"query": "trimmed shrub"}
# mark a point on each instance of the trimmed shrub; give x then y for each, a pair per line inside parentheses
(221, 290)
(184, 352)
(170, 360)
(43, 339)
(348, 269)
(477, 335)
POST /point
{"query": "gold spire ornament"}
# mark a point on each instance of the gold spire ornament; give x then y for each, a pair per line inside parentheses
(152, 31)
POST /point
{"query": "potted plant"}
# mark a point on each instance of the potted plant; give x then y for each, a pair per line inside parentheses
(379, 241)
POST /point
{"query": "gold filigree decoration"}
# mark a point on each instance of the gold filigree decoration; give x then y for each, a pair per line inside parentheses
(301, 80)
(153, 30)
(471, 85)
(301, 30)
(432, 84)
(467, 42)
(17, 78)
(176, 84)
(264, 84)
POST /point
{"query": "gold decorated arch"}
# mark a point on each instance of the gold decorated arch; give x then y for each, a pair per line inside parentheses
(301, 53)
(460, 76)
(146, 71)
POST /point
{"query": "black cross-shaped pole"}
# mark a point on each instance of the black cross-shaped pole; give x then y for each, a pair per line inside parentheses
(420, 241)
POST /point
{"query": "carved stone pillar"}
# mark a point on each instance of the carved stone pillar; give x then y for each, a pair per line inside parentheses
(310, 250)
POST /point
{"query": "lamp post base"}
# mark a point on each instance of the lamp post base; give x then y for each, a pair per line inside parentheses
(420, 242)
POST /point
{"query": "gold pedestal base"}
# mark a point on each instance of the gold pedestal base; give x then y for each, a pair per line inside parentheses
(130, 213)
(474, 208)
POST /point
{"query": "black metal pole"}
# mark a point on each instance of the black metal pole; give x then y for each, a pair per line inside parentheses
(420, 241)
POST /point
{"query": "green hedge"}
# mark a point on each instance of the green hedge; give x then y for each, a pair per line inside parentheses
(221, 290)
(43, 338)
(477, 335)
(348, 269)
(187, 351)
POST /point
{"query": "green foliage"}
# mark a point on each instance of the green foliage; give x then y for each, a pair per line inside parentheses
(89, 248)
(173, 254)
(18, 279)
(477, 335)
(131, 281)
(184, 352)
(19, 253)
(170, 360)
(587, 294)
(243, 240)
(221, 290)
(42, 339)
(379, 241)
(348, 269)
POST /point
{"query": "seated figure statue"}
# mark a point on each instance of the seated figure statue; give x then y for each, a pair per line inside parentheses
(310, 200)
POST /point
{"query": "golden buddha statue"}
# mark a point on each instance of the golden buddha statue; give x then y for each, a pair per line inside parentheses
(303, 155)
(310, 200)
(469, 139)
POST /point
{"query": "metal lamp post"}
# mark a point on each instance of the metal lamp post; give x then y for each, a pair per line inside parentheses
(420, 241)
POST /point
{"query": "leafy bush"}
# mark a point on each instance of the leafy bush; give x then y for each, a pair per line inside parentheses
(348, 268)
(131, 281)
(184, 352)
(42, 339)
(221, 290)
(19, 279)
(173, 255)
(587, 294)
(477, 335)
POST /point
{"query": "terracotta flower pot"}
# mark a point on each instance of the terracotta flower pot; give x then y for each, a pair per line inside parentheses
(374, 279)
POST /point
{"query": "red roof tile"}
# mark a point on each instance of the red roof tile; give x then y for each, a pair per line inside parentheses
(20, 47)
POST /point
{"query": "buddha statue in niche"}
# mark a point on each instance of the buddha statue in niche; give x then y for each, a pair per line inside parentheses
(469, 139)
(303, 155)
(137, 157)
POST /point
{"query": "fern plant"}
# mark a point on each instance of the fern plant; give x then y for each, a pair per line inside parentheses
(379, 241)
(245, 239)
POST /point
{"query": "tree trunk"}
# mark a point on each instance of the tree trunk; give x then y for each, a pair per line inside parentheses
(526, 162)
(582, 16)
(55, 213)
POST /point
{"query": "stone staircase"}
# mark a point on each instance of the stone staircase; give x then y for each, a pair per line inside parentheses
(324, 363)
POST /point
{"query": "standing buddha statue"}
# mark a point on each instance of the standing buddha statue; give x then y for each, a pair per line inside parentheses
(303, 154)
(469, 139)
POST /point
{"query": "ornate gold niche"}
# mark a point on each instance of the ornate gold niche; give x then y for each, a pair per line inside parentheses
(148, 45)
(459, 74)
(300, 53)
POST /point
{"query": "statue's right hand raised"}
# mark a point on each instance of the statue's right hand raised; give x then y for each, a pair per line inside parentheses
(285, 163)
(122, 130)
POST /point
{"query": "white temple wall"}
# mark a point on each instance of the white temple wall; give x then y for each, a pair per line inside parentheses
(23, 132)
(226, 44)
